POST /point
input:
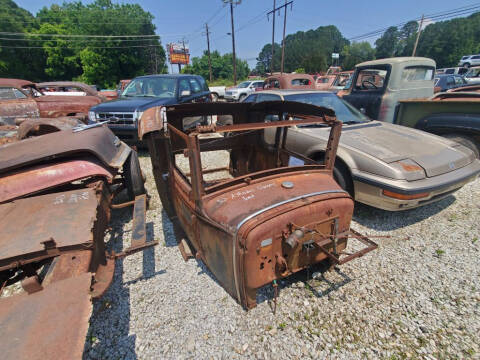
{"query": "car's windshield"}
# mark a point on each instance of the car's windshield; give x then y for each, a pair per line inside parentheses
(243, 84)
(344, 111)
(161, 87)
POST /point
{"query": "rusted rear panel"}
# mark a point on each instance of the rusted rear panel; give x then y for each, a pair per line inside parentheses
(43, 177)
(11, 109)
(98, 141)
(49, 324)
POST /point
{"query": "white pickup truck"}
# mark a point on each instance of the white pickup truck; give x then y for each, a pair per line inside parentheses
(217, 92)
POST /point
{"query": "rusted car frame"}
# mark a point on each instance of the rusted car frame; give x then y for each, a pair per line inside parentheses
(55, 206)
(265, 220)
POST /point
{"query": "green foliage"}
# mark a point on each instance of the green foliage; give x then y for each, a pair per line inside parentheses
(310, 50)
(356, 53)
(387, 44)
(300, 71)
(94, 60)
(222, 66)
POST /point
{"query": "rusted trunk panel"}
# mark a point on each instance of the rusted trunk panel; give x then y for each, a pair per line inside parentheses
(49, 324)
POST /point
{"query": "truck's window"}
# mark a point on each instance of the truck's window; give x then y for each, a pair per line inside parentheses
(300, 82)
(414, 73)
(459, 80)
(370, 79)
(7, 94)
(203, 84)
(476, 57)
(162, 87)
(258, 84)
(450, 81)
(195, 86)
(449, 71)
(183, 85)
(268, 97)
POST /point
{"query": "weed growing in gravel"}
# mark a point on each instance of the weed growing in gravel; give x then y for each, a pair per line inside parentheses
(282, 326)
(474, 240)
(439, 252)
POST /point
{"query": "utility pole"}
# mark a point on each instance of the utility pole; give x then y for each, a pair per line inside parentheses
(273, 36)
(237, 2)
(208, 48)
(418, 36)
(284, 6)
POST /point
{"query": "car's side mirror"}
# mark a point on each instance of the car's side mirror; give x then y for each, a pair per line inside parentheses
(185, 93)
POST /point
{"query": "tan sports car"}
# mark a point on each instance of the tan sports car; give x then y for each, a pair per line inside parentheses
(387, 166)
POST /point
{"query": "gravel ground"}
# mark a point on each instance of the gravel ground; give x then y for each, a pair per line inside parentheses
(416, 296)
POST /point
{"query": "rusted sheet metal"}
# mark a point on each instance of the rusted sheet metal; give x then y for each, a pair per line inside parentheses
(11, 109)
(17, 83)
(42, 177)
(67, 84)
(98, 141)
(48, 225)
(58, 105)
(268, 221)
(49, 324)
(41, 126)
(152, 120)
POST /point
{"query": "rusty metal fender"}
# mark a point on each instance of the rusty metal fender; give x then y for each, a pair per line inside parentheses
(151, 120)
(99, 142)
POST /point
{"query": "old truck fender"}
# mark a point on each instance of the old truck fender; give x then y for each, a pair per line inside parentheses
(151, 120)
(450, 122)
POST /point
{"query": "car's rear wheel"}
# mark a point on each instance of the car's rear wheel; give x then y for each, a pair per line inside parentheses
(465, 141)
(243, 96)
(214, 97)
(134, 180)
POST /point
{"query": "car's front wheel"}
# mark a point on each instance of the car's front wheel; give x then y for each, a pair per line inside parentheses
(134, 180)
(466, 65)
(465, 141)
(343, 178)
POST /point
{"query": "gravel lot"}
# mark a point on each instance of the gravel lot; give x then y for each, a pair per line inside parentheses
(417, 296)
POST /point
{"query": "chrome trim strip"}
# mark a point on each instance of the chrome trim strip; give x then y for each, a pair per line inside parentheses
(249, 217)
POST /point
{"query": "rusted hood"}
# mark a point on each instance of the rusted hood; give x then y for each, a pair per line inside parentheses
(99, 142)
(232, 207)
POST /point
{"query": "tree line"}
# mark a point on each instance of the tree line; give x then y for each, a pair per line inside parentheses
(94, 60)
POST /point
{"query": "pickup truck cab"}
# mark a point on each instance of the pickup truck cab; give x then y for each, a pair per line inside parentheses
(378, 86)
(145, 92)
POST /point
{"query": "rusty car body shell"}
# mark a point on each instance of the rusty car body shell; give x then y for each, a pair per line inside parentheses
(35, 104)
(64, 87)
(239, 225)
(54, 210)
(289, 81)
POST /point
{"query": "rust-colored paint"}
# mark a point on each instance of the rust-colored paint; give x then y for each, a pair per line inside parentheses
(241, 227)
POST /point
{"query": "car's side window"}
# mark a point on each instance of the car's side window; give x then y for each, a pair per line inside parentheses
(268, 97)
(183, 86)
(458, 80)
(19, 94)
(195, 86)
(450, 81)
(250, 98)
(7, 93)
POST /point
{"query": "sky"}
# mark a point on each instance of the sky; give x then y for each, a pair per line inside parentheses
(186, 19)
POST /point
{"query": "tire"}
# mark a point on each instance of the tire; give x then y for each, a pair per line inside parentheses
(134, 180)
(465, 141)
(214, 97)
(343, 178)
(243, 96)
(466, 65)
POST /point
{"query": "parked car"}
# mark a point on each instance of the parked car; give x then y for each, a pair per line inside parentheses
(444, 82)
(289, 81)
(217, 92)
(335, 82)
(387, 166)
(243, 89)
(56, 194)
(69, 88)
(145, 92)
(452, 71)
(378, 85)
(21, 98)
(473, 75)
(324, 82)
(469, 60)
(454, 115)
(261, 216)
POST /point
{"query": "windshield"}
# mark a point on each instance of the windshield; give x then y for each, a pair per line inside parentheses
(161, 87)
(344, 111)
(243, 84)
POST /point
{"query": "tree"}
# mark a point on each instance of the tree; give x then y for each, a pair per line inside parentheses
(222, 66)
(356, 53)
(265, 57)
(387, 44)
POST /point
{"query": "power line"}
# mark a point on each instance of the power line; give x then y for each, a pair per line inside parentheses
(78, 35)
(90, 47)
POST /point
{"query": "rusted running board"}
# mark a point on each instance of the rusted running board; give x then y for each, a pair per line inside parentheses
(370, 245)
(139, 233)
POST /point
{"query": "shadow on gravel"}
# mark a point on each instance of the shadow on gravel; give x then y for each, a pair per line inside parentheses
(383, 220)
(108, 336)
(168, 231)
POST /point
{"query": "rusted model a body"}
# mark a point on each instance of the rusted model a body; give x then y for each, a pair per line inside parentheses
(56, 193)
(263, 220)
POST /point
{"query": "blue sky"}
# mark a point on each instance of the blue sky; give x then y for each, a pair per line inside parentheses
(175, 19)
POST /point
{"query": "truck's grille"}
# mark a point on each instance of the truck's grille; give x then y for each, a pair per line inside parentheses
(117, 118)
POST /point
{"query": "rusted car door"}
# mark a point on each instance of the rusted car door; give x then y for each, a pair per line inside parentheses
(14, 103)
(369, 84)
